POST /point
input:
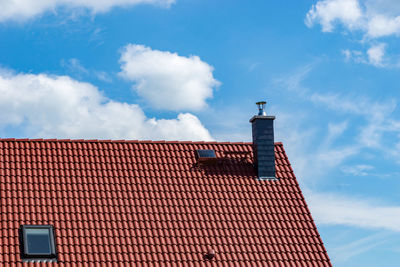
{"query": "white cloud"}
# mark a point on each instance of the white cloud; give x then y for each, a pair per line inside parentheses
(330, 208)
(375, 18)
(372, 18)
(376, 54)
(25, 9)
(166, 80)
(380, 25)
(60, 107)
(329, 11)
(357, 170)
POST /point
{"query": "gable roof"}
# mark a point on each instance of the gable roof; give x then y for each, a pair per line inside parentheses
(143, 202)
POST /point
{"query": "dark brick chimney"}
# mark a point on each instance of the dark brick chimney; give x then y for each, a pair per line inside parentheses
(263, 143)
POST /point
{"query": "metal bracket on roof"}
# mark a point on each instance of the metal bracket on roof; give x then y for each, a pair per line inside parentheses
(268, 178)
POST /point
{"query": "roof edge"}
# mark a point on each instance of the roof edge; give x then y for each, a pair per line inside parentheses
(123, 141)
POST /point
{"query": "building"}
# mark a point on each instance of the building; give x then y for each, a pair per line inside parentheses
(118, 203)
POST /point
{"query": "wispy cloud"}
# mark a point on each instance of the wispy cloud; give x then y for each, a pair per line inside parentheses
(332, 157)
(322, 155)
(293, 81)
(376, 115)
(359, 105)
(357, 247)
(374, 120)
(367, 122)
(354, 56)
(375, 56)
(335, 130)
(357, 170)
(372, 18)
(102, 76)
(74, 67)
(26, 9)
(290, 130)
(332, 208)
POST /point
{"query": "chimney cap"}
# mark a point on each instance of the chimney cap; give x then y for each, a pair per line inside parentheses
(261, 112)
(261, 108)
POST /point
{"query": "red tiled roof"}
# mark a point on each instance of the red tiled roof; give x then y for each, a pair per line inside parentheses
(142, 202)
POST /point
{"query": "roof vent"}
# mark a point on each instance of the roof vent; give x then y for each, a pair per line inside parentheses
(261, 108)
(210, 255)
(206, 156)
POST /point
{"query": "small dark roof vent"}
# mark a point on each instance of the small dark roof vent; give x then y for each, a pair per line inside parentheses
(206, 155)
(209, 255)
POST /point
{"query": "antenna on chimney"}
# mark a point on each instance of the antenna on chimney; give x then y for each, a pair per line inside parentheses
(261, 108)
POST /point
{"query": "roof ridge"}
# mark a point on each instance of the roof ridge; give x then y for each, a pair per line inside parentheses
(126, 141)
(119, 141)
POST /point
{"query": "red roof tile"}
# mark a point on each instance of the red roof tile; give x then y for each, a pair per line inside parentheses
(136, 202)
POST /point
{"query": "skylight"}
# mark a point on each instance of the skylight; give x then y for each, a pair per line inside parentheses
(206, 156)
(38, 242)
(206, 153)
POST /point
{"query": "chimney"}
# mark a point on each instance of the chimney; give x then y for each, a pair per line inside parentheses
(263, 143)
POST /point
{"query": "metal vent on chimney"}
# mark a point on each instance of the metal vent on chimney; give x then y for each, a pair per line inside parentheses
(261, 108)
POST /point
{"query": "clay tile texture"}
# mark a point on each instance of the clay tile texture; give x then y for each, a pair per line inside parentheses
(118, 203)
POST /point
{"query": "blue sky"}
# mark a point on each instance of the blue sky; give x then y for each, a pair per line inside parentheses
(192, 70)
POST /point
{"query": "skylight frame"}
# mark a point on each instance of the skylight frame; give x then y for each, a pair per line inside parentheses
(206, 156)
(26, 255)
(210, 153)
